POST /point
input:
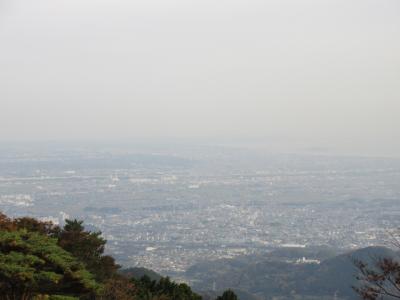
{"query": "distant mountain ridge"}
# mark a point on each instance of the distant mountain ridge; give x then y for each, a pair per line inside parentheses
(139, 272)
(278, 276)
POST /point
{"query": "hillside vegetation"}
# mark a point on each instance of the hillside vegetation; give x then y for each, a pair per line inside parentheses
(282, 275)
(39, 260)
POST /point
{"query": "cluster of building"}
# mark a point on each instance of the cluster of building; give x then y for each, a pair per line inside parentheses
(169, 218)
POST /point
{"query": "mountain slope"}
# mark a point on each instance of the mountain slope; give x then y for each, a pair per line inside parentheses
(278, 274)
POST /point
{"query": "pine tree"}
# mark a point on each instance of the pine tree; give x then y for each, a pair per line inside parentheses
(32, 264)
(228, 295)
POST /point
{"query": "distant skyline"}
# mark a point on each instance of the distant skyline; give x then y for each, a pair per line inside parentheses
(297, 73)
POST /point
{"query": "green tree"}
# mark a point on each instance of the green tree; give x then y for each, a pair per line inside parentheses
(6, 223)
(31, 224)
(228, 295)
(87, 247)
(32, 264)
(148, 289)
(118, 288)
(40, 261)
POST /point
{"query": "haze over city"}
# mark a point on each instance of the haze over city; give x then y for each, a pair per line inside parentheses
(287, 74)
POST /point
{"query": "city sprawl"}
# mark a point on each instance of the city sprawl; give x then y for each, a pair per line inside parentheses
(167, 209)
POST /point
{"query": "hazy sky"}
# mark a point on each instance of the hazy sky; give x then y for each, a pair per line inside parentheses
(317, 72)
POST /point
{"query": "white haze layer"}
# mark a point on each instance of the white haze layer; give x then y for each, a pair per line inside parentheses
(306, 73)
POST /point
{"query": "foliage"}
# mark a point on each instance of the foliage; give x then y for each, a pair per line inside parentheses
(54, 297)
(87, 247)
(163, 289)
(380, 281)
(6, 223)
(118, 288)
(228, 295)
(31, 224)
(41, 261)
(32, 264)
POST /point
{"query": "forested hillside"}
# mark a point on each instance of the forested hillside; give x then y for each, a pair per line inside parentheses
(291, 273)
(41, 261)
